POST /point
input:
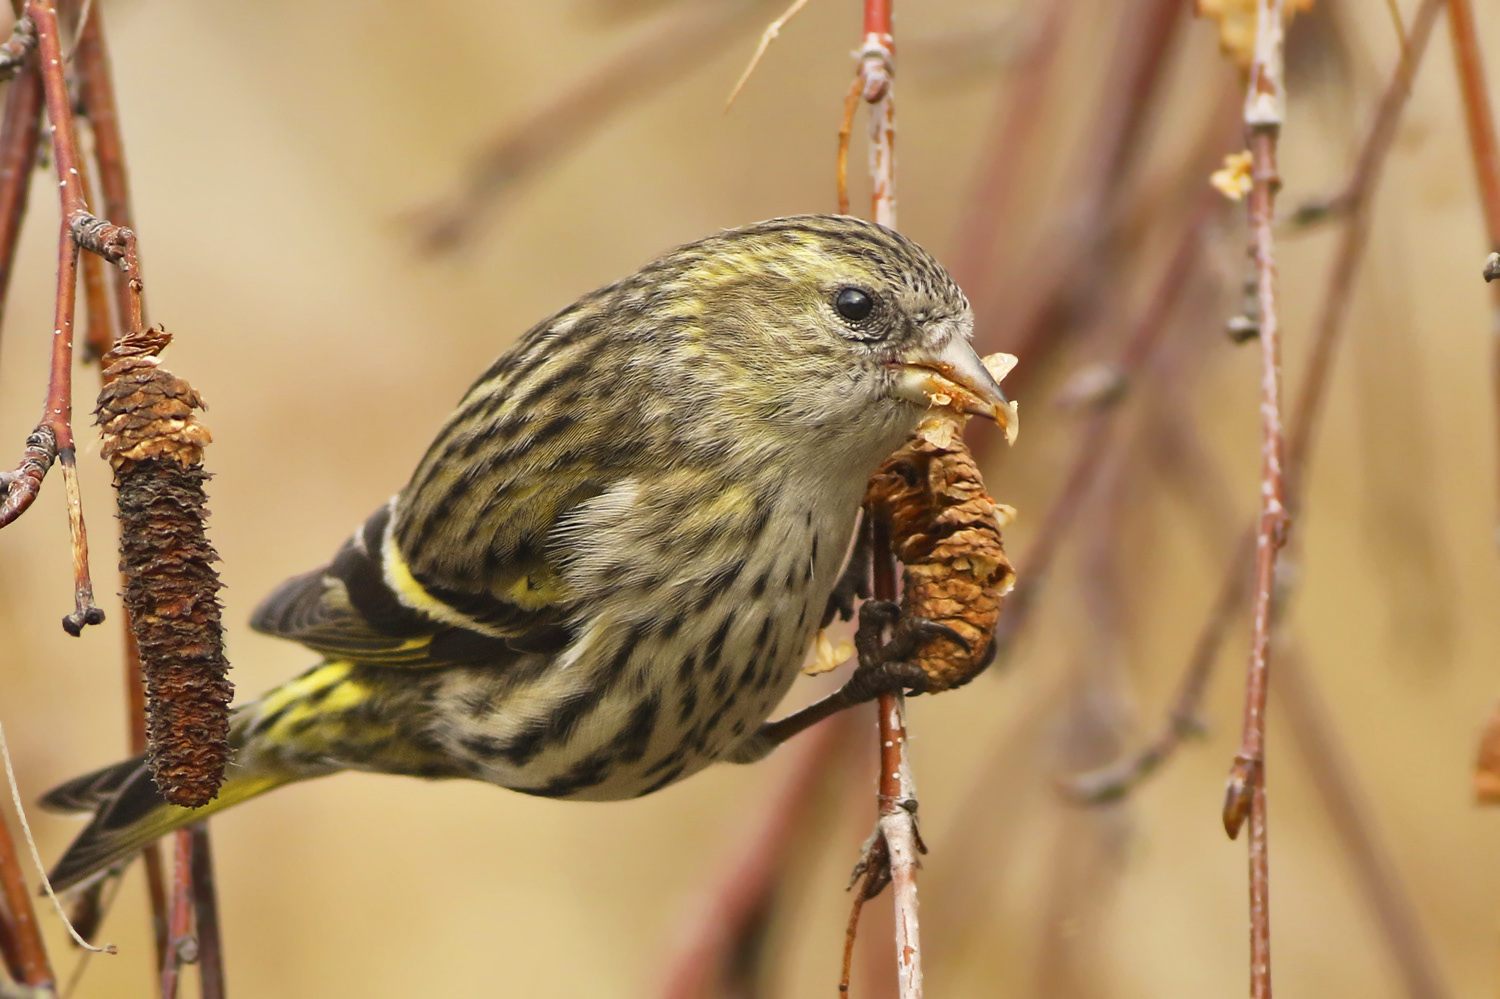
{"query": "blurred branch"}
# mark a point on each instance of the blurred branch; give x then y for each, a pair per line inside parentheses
(1052, 298)
(1098, 430)
(1020, 111)
(1332, 772)
(692, 33)
(739, 902)
(20, 131)
(26, 955)
(1303, 425)
(206, 914)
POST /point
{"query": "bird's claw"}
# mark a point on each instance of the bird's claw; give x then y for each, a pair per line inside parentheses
(886, 666)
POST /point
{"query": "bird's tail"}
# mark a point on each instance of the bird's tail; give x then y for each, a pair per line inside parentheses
(129, 814)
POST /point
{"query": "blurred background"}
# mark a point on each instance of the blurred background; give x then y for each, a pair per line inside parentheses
(286, 159)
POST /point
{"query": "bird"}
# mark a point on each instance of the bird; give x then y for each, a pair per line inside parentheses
(610, 564)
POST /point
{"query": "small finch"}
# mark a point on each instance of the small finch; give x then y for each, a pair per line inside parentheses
(612, 561)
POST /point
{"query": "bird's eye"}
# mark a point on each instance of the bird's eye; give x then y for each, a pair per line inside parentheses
(854, 304)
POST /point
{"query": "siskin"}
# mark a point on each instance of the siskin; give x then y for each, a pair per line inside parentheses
(611, 563)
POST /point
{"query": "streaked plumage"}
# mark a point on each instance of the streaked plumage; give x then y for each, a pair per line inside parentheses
(610, 564)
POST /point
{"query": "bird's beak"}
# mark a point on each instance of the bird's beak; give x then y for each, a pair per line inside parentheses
(955, 377)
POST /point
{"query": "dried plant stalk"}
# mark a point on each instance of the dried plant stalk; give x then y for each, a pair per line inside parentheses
(154, 443)
(945, 529)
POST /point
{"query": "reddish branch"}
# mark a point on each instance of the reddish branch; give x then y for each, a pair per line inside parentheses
(182, 945)
(1303, 425)
(19, 133)
(1245, 795)
(18, 920)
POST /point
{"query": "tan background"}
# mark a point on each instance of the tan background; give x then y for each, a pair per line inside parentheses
(272, 147)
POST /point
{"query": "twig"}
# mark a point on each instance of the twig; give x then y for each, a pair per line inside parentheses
(766, 38)
(1245, 794)
(1325, 760)
(695, 32)
(23, 932)
(99, 330)
(22, 484)
(897, 826)
(15, 50)
(206, 913)
(1304, 422)
(183, 946)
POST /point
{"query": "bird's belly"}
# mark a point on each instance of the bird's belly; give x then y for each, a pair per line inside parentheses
(638, 702)
(620, 730)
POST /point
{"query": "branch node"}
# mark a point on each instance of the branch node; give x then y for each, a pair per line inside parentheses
(110, 241)
(16, 49)
(18, 488)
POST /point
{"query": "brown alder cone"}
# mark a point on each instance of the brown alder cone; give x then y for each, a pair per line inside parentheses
(154, 443)
(945, 529)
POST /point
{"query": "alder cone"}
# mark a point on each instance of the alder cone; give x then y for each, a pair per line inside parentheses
(945, 529)
(153, 441)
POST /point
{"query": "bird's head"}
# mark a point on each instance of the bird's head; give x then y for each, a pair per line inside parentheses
(825, 323)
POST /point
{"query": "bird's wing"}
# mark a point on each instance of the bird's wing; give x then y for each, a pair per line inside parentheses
(366, 605)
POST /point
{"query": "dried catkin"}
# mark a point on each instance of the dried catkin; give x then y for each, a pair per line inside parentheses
(945, 529)
(153, 441)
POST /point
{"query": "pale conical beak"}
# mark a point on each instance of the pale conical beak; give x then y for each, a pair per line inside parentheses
(955, 377)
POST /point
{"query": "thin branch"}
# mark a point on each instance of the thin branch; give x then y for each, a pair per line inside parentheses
(17, 48)
(1304, 422)
(1245, 795)
(766, 38)
(36, 857)
(897, 825)
(694, 32)
(183, 947)
(20, 918)
(206, 913)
